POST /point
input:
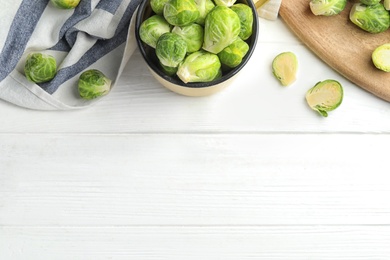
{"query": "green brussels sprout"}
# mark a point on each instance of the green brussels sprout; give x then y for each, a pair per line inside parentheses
(65, 4)
(327, 7)
(170, 71)
(200, 66)
(158, 6)
(370, 2)
(232, 55)
(226, 3)
(181, 12)
(192, 34)
(40, 67)
(171, 49)
(285, 67)
(370, 18)
(204, 7)
(152, 28)
(381, 57)
(325, 96)
(245, 14)
(222, 27)
(92, 84)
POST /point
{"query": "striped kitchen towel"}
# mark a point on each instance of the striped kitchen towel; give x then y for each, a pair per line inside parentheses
(97, 34)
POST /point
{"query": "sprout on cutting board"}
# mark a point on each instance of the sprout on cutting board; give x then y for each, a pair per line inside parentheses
(192, 34)
(233, 54)
(381, 57)
(325, 96)
(152, 28)
(171, 49)
(92, 84)
(327, 7)
(371, 18)
(245, 14)
(66, 4)
(40, 67)
(285, 67)
(181, 12)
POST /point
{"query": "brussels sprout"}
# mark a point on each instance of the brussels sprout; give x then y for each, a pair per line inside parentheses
(226, 3)
(200, 66)
(232, 55)
(40, 67)
(370, 2)
(327, 7)
(152, 28)
(285, 67)
(158, 6)
(371, 18)
(325, 96)
(92, 84)
(222, 27)
(381, 57)
(66, 4)
(181, 12)
(204, 7)
(170, 71)
(171, 49)
(192, 34)
(245, 14)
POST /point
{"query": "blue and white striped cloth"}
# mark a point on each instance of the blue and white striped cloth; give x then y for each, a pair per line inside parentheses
(96, 34)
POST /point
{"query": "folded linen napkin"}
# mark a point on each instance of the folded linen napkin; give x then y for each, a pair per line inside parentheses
(97, 34)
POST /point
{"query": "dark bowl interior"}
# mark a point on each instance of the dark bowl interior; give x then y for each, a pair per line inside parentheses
(145, 11)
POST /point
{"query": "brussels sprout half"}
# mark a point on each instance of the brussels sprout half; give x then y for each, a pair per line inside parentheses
(40, 67)
(325, 96)
(171, 49)
(327, 7)
(285, 67)
(245, 14)
(65, 4)
(381, 57)
(152, 28)
(192, 34)
(92, 84)
(371, 18)
(181, 12)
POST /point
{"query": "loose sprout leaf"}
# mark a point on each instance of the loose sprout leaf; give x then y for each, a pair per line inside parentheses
(285, 67)
(381, 57)
(325, 96)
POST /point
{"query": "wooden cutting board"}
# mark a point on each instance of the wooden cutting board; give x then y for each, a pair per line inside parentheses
(340, 44)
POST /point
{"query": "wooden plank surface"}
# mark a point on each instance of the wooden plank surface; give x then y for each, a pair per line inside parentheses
(340, 43)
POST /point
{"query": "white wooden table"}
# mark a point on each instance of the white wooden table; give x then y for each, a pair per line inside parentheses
(249, 173)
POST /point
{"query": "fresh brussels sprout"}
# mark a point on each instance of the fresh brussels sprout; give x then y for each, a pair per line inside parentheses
(371, 18)
(232, 55)
(204, 7)
(245, 14)
(226, 3)
(66, 4)
(181, 12)
(327, 7)
(158, 6)
(325, 96)
(171, 49)
(40, 67)
(192, 34)
(152, 28)
(170, 71)
(92, 84)
(370, 2)
(381, 57)
(222, 27)
(200, 66)
(285, 67)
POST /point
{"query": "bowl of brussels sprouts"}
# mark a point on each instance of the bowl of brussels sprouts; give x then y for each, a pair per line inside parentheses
(196, 47)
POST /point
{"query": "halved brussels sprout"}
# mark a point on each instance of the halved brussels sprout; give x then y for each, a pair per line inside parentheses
(152, 28)
(245, 14)
(92, 84)
(327, 7)
(171, 49)
(370, 2)
(40, 67)
(222, 27)
(386, 4)
(226, 3)
(325, 96)
(232, 55)
(181, 12)
(158, 6)
(192, 34)
(200, 66)
(66, 4)
(381, 57)
(204, 7)
(285, 67)
(371, 18)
